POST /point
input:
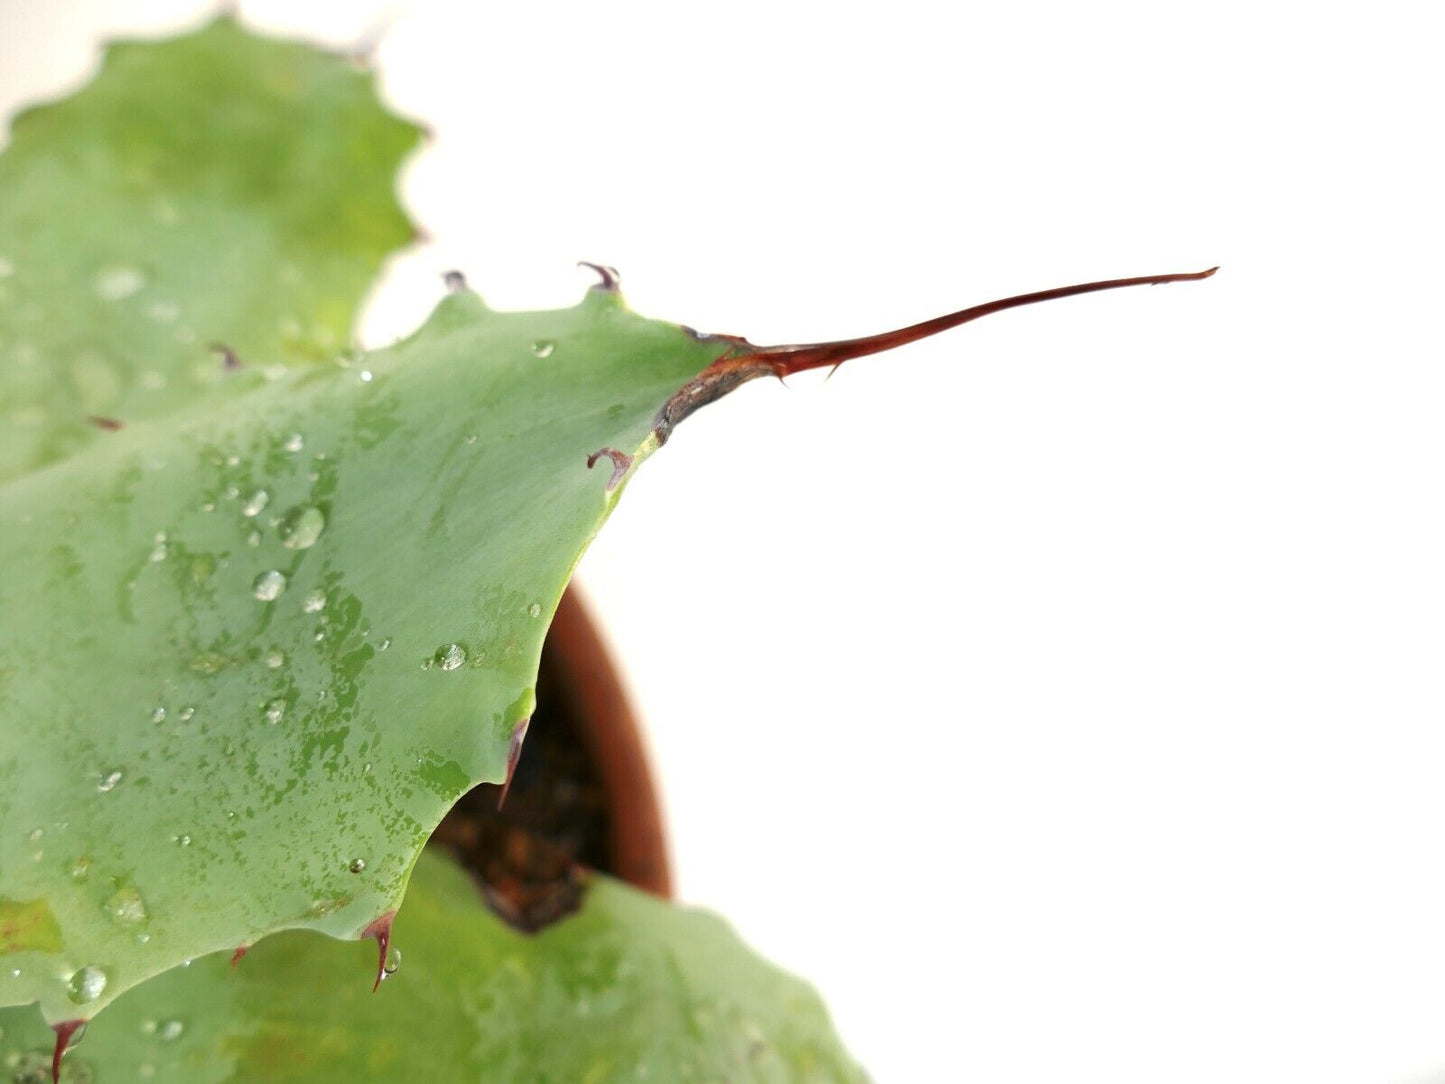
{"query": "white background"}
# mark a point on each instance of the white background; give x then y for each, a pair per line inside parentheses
(1062, 696)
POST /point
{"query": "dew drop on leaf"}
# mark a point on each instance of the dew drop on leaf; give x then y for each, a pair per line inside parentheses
(170, 1031)
(450, 656)
(86, 985)
(357, 865)
(274, 710)
(275, 659)
(125, 906)
(542, 348)
(255, 503)
(269, 586)
(108, 781)
(393, 962)
(294, 443)
(301, 527)
(315, 602)
(159, 715)
(118, 283)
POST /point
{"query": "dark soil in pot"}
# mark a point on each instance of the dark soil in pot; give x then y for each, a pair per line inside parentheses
(581, 797)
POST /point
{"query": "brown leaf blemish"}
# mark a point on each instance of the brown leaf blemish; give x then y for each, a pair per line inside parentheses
(236, 956)
(110, 425)
(230, 360)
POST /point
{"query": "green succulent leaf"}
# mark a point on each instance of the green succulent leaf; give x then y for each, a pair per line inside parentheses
(255, 642)
(218, 190)
(251, 654)
(629, 988)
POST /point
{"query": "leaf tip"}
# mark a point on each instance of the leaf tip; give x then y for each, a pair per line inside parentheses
(514, 753)
(609, 278)
(380, 930)
(621, 463)
(66, 1032)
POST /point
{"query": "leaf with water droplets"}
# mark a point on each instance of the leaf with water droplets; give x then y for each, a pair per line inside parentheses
(628, 988)
(219, 193)
(300, 694)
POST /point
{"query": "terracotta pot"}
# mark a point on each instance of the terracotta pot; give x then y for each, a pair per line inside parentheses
(583, 675)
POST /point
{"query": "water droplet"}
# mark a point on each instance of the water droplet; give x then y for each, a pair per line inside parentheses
(366, 376)
(543, 349)
(183, 841)
(170, 1031)
(233, 460)
(108, 781)
(366, 768)
(294, 443)
(274, 710)
(357, 865)
(142, 938)
(275, 659)
(301, 527)
(159, 551)
(384, 644)
(37, 835)
(393, 962)
(118, 283)
(159, 715)
(126, 906)
(255, 503)
(450, 656)
(232, 492)
(81, 870)
(86, 985)
(315, 602)
(186, 714)
(534, 610)
(471, 438)
(148, 1027)
(78, 1035)
(253, 539)
(269, 586)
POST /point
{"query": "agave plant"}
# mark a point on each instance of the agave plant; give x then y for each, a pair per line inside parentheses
(271, 606)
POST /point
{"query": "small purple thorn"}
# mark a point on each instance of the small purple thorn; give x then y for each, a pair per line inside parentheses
(514, 754)
(241, 951)
(380, 929)
(64, 1032)
(620, 462)
(455, 281)
(110, 425)
(229, 359)
(610, 276)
